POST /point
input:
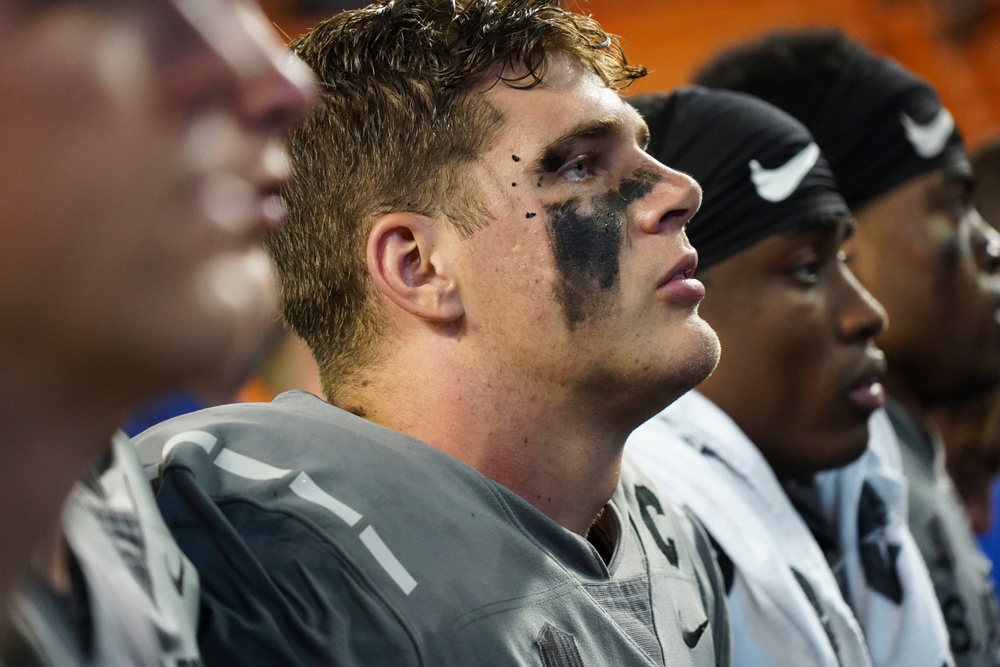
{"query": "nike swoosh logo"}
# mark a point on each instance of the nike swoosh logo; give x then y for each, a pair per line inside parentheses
(929, 139)
(778, 184)
(179, 579)
(692, 637)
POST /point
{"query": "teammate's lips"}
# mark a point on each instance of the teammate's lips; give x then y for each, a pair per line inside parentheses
(239, 208)
(266, 209)
(271, 204)
(866, 391)
(679, 283)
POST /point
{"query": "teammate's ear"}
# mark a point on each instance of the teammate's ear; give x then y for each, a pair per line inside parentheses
(409, 266)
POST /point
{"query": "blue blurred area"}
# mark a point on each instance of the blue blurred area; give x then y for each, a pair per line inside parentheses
(990, 542)
(161, 409)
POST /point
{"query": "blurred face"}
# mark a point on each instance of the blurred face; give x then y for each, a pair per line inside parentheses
(925, 253)
(799, 373)
(582, 281)
(142, 160)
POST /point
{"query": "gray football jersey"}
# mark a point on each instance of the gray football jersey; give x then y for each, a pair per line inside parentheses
(322, 538)
(135, 597)
(959, 570)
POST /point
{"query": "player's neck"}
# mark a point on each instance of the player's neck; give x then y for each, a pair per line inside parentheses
(559, 454)
(46, 402)
(568, 477)
(50, 431)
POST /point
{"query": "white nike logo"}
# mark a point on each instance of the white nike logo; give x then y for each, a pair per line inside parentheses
(776, 185)
(929, 139)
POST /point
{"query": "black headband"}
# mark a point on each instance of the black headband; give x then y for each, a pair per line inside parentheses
(759, 168)
(882, 127)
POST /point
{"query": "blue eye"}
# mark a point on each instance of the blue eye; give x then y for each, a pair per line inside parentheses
(578, 169)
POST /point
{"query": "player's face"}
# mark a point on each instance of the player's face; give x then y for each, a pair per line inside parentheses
(582, 279)
(925, 253)
(799, 373)
(141, 161)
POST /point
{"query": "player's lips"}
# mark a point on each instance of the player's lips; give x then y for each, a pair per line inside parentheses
(241, 209)
(866, 390)
(679, 282)
(272, 184)
(245, 198)
(271, 209)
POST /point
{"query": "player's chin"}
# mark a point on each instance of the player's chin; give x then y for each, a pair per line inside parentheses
(233, 297)
(706, 349)
(828, 451)
(694, 356)
(845, 447)
(237, 283)
(231, 346)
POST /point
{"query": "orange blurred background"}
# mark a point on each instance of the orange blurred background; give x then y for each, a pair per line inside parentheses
(953, 43)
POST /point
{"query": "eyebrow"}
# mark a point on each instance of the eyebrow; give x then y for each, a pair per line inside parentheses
(555, 154)
(952, 178)
(966, 180)
(841, 225)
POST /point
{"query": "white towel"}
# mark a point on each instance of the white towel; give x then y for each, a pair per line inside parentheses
(904, 632)
(702, 459)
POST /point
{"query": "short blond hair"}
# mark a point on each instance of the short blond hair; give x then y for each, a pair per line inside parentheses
(397, 127)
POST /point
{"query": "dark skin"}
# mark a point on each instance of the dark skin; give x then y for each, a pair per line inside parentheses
(796, 329)
(926, 254)
(971, 429)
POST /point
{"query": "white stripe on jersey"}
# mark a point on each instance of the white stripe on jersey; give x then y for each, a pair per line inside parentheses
(388, 562)
(201, 438)
(305, 488)
(246, 467)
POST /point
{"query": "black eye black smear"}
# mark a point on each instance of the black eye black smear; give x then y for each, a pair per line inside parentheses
(515, 158)
(586, 238)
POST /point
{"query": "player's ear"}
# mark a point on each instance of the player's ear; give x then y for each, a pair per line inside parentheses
(407, 259)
